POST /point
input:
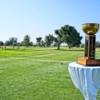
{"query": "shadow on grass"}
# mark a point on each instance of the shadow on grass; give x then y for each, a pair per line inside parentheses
(72, 49)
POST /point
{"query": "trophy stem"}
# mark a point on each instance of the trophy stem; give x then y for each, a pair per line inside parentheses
(90, 46)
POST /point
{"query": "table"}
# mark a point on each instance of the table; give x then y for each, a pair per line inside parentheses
(86, 79)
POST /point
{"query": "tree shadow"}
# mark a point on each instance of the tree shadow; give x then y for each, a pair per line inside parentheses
(71, 49)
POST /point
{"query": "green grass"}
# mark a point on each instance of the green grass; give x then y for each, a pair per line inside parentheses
(37, 74)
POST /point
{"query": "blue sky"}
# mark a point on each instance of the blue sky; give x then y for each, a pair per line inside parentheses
(42, 17)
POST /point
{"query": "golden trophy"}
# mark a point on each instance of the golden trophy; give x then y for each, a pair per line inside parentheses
(89, 57)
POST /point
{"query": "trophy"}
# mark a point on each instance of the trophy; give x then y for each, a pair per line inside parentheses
(89, 57)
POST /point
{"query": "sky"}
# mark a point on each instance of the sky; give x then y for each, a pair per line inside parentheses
(41, 17)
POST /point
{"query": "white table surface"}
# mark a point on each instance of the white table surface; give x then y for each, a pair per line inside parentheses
(86, 79)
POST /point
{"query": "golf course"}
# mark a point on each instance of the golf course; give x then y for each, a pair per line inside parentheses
(38, 74)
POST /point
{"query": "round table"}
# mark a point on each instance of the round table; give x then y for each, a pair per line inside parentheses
(86, 79)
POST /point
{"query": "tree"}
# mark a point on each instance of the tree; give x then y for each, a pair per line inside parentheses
(7, 43)
(26, 41)
(1, 43)
(18, 45)
(42, 43)
(49, 40)
(13, 41)
(69, 35)
(31, 43)
(59, 39)
(38, 40)
(97, 44)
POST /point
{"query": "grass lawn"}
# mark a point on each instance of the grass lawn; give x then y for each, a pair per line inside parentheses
(38, 74)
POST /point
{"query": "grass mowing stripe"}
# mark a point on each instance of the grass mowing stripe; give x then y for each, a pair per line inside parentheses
(41, 60)
(41, 75)
(48, 54)
(37, 74)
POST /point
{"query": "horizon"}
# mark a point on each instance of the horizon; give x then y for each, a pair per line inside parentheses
(41, 17)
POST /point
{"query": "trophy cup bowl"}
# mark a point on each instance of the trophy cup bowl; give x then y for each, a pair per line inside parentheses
(90, 28)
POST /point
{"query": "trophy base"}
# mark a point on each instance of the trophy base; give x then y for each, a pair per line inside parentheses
(88, 62)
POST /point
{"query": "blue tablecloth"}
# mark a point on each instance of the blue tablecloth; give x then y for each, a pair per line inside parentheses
(86, 79)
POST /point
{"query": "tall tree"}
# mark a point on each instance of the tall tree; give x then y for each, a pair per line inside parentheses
(59, 39)
(38, 40)
(42, 43)
(49, 40)
(13, 41)
(1, 43)
(26, 41)
(69, 35)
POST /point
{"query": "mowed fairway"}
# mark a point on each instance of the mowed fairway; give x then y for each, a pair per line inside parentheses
(37, 74)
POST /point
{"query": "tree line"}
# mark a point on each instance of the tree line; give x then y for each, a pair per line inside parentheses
(66, 34)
